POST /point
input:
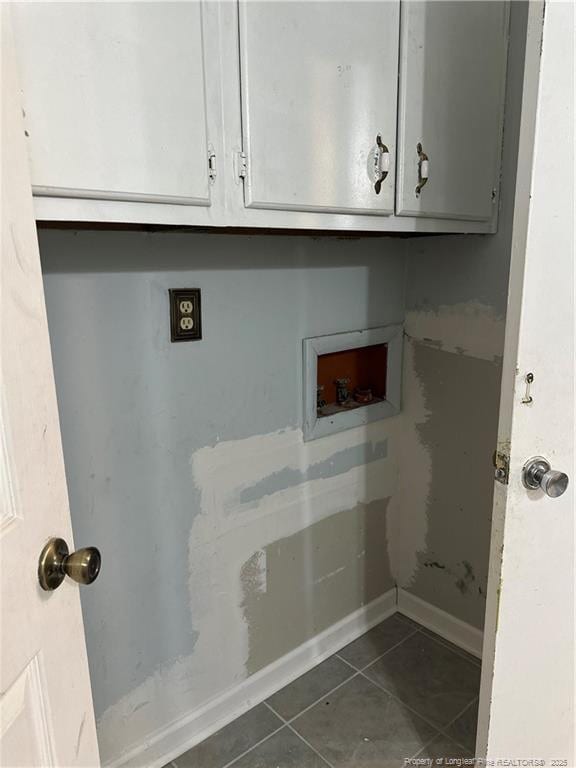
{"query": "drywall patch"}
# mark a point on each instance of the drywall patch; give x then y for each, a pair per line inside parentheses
(125, 721)
(470, 328)
(260, 474)
(315, 577)
(407, 521)
(340, 462)
(253, 574)
(460, 432)
(228, 537)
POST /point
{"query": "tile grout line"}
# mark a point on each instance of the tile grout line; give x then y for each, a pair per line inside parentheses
(355, 673)
(475, 699)
(392, 647)
(458, 744)
(427, 744)
(407, 706)
(314, 703)
(449, 736)
(444, 729)
(453, 649)
(441, 640)
(342, 659)
(257, 744)
(453, 740)
(440, 729)
(298, 735)
(466, 655)
(319, 754)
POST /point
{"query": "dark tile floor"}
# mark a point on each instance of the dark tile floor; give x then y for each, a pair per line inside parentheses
(397, 692)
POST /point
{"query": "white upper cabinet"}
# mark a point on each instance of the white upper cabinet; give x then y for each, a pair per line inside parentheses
(265, 113)
(114, 99)
(452, 77)
(319, 97)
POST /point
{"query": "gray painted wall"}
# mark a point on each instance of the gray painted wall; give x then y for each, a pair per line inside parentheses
(456, 304)
(135, 409)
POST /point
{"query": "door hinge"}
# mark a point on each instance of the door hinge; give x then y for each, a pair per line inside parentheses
(241, 165)
(502, 463)
(211, 164)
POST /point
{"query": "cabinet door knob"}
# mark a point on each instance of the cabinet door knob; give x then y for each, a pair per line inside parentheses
(537, 473)
(82, 566)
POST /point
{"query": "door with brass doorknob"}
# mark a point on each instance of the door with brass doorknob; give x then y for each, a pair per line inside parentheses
(46, 709)
(56, 562)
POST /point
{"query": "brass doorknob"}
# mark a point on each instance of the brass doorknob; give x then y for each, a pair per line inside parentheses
(83, 566)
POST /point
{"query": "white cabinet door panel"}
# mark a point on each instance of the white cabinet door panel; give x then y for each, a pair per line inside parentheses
(319, 83)
(452, 77)
(114, 97)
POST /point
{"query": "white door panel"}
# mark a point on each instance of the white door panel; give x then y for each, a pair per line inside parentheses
(114, 97)
(452, 76)
(46, 714)
(527, 709)
(319, 83)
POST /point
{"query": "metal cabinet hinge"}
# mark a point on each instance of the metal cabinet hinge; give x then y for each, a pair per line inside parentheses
(241, 164)
(502, 464)
(211, 164)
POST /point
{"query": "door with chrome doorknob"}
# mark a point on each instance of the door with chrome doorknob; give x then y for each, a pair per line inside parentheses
(526, 707)
(538, 474)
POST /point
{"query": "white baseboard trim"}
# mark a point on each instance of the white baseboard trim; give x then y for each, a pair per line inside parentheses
(460, 633)
(171, 741)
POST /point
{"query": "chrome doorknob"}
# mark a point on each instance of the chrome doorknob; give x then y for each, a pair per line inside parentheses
(83, 566)
(537, 473)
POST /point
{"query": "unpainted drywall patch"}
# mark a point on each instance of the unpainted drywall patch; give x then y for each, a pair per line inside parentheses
(230, 530)
(337, 464)
(313, 578)
(137, 712)
(254, 574)
(470, 328)
(461, 397)
(407, 521)
(241, 476)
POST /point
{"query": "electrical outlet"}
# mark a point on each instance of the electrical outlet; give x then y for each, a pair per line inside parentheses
(185, 317)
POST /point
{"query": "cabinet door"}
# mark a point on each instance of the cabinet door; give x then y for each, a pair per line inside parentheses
(452, 76)
(319, 85)
(114, 98)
